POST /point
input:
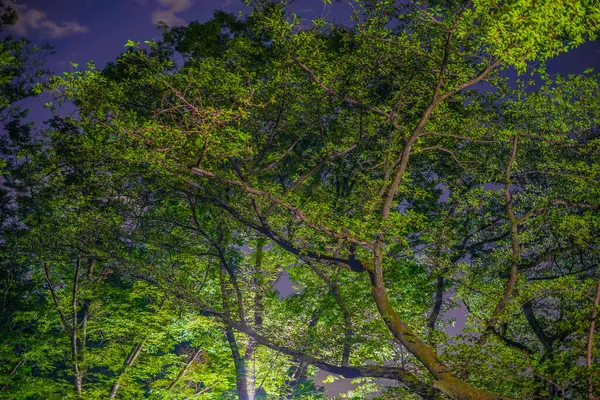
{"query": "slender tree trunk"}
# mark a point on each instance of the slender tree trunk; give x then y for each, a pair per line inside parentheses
(437, 305)
(257, 282)
(590, 345)
(128, 363)
(250, 368)
(238, 360)
(185, 369)
(77, 344)
(78, 375)
(240, 366)
(85, 314)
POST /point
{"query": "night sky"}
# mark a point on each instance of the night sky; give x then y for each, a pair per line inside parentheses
(85, 30)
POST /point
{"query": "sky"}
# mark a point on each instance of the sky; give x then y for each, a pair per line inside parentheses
(85, 30)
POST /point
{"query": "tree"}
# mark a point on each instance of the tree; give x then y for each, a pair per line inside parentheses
(84, 325)
(390, 167)
(21, 77)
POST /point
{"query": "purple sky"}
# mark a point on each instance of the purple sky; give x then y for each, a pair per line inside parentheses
(84, 30)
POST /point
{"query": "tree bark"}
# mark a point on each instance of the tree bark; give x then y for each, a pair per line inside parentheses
(185, 369)
(590, 345)
(240, 366)
(238, 360)
(437, 306)
(445, 380)
(128, 363)
(258, 317)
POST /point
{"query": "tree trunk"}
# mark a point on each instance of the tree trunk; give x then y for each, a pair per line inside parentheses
(257, 281)
(240, 366)
(445, 380)
(184, 370)
(238, 360)
(590, 345)
(128, 363)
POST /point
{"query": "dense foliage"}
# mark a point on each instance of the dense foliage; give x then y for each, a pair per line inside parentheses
(388, 166)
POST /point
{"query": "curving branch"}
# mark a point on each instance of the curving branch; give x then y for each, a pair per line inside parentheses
(298, 214)
(403, 376)
(274, 163)
(515, 247)
(348, 100)
(555, 203)
(444, 150)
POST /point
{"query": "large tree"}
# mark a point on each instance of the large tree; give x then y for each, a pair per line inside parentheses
(388, 166)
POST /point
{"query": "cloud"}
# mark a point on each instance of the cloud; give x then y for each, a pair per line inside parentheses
(33, 19)
(168, 10)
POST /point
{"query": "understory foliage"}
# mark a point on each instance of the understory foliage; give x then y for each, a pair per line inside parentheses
(387, 166)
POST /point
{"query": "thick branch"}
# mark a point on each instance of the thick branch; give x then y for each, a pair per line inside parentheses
(400, 374)
(402, 162)
(539, 332)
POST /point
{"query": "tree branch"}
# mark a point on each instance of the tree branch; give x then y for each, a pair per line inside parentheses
(63, 318)
(555, 203)
(298, 214)
(516, 247)
(348, 100)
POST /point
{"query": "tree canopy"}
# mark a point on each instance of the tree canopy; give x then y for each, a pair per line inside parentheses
(388, 165)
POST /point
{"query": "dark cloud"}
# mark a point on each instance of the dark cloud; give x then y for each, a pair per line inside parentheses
(168, 10)
(37, 20)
